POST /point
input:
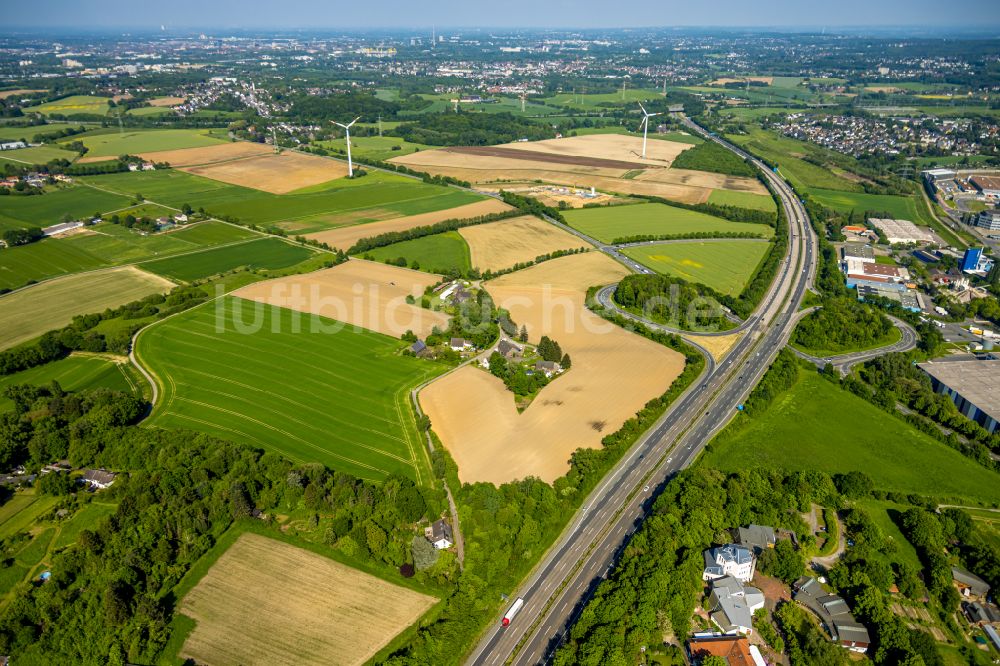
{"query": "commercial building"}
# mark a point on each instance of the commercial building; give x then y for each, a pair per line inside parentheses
(895, 292)
(863, 271)
(938, 175)
(988, 185)
(901, 231)
(989, 220)
(974, 387)
(859, 252)
(973, 261)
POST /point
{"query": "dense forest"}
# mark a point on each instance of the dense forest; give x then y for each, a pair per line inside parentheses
(842, 325)
(710, 156)
(471, 129)
(671, 300)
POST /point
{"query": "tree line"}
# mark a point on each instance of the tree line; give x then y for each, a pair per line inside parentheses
(671, 300)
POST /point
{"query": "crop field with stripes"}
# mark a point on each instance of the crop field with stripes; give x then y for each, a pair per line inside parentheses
(269, 377)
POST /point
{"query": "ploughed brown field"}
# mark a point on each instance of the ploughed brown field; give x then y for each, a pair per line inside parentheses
(267, 602)
(614, 373)
(499, 245)
(345, 237)
(360, 293)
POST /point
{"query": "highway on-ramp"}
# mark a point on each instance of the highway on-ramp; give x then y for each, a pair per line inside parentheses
(563, 581)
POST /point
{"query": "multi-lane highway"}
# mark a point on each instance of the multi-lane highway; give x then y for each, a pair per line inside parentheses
(563, 581)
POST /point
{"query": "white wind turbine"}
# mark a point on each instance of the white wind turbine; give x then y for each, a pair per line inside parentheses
(646, 115)
(347, 136)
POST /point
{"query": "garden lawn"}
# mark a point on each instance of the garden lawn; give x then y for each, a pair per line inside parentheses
(817, 425)
(134, 142)
(88, 517)
(608, 223)
(73, 373)
(435, 254)
(742, 200)
(724, 265)
(269, 253)
(343, 201)
(338, 397)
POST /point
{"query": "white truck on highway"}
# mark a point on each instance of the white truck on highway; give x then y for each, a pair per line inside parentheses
(512, 611)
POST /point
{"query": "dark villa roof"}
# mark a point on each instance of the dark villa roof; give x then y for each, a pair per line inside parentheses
(440, 530)
(418, 346)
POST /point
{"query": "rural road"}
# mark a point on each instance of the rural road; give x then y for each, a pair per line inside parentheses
(564, 580)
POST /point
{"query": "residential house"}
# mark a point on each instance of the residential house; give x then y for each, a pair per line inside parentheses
(755, 537)
(418, 347)
(460, 295)
(99, 479)
(548, 367)
(729, 560)
(834, 613)
(731, 605)
(735, 650)
(439, 534)
(969, 584)
(508, 349)
(459, 344)
(148, 166)
(981, 613)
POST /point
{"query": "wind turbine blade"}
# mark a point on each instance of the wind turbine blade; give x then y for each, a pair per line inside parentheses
(354, 121)
(643, 109)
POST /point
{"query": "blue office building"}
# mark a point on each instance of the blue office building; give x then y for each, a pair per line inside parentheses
(970, 261)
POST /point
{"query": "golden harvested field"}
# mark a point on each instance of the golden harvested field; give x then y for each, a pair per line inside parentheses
(614, 374)
(344, 237)
(277, 174)
(437, 161)
(717, 345)
(360, 293)
(607, 146)
(268, 602)
(166, 101)
(702, 179)
(188, 157)
(20, 91)
(502, 244)
(28, 313)
(757, 79)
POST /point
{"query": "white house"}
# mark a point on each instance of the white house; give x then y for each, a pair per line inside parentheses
(98, 479)
(459, 344)
(729, 560)
(439, 534)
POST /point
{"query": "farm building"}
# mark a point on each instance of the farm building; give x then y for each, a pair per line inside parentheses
(974, 387)
(57, 229)
(439, 534)
(981, 613)
(969, 584)
(834, 613)
(901, 231)
(729, 560)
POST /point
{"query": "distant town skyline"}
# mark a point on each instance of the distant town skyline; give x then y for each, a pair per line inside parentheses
(982, 15)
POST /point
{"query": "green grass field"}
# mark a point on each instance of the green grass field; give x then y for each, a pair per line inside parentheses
(749, 200)
(73, 105)
(267, 253)
(901, 208)
(335, 397)
(78, 201)
(37, 155)
(22, 510)
(879, 512)
(787, 154)
(87, 517)
(133, 142)
(108, 245)
(31, 312)
(150, 111)
(817, 425)
(723, 265)
(376, 147)
(610, 222)
(73, 374)
(343, 201)
(592, 101)
(435, 254)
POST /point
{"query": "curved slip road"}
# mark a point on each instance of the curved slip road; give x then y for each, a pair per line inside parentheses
(844, 362)
(566, 577)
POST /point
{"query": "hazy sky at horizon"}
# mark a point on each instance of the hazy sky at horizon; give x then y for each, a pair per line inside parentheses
(338, 14)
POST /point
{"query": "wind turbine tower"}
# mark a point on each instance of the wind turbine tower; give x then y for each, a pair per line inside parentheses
(347, 136)
(522, 102)
(646, 115)
(380, 124)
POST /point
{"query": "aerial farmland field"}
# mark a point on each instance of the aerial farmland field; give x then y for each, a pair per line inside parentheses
(37, 155)
(723, 265)
(74, 105)
(77, 201)
(901, 208)
(439, 253)
(73, 373)
(30, 312)
(377, 196)
(268, 253)
(266, 601)
(337, 398)
(610, 222)
(134, 142)
(749, 200)
(503, 244)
